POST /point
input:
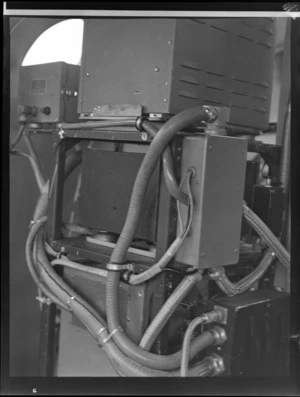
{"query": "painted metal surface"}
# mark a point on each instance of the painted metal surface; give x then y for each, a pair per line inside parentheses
(218, 189)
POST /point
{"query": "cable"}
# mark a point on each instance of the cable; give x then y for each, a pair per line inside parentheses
(171, 251)
(168, 168)
(18, 137)
(157, 146)
(262, 229)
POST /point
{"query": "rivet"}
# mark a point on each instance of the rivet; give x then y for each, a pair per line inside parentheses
(170, 42)
(165, 100)
(87, 74)
(156, 69)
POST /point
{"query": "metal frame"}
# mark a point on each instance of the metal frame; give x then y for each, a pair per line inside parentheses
(159, 288)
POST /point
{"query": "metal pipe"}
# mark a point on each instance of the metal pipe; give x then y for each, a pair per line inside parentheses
(284, 173)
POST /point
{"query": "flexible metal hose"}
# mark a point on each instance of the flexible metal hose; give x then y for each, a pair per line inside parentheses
(168, 309)
(82, 268)
(157, 146)
(168, 169)
(262, 229)
(97, 327)
(186, 344)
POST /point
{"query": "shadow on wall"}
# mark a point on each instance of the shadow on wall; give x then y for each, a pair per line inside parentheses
(24, 309)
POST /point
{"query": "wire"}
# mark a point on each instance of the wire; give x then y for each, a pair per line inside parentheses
(18, 137)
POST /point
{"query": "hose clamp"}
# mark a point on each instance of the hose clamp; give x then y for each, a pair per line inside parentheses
(117, 267)
(33, 222)
(111, 335)
(43, 300)
(218, 274)
(72, 298)
(61, 253)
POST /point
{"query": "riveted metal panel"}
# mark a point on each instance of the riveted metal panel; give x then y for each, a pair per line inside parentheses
(127, 61)
(218, 189)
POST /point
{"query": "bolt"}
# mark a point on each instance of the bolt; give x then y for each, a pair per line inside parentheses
(170, 42)
(87, 74)
(166, 83)
(34, 390)
(139, 294)
(165, 100)
(156, 69)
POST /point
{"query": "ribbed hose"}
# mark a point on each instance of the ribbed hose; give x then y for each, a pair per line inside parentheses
(157, 146)
(168, 168)
(98, 124)
(184, 367)
(97, 327)
(36, 167)
(232, 289)
(82, 268)
(182, 290)
(54, 280)
(262, 229)
(33, 271)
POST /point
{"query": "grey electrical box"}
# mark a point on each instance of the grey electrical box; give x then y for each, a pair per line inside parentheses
(218, 189)
(168, 65)
(52, 88)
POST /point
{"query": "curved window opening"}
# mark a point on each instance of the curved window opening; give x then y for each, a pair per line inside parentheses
(62, 42)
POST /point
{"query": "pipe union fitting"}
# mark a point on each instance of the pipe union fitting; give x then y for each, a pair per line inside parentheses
(219, 335)
(216, 274)
(212, 112)
(216, 363)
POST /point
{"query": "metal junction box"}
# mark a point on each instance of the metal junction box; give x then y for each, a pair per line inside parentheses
(218, 189)
(168, 65)
(258, 334)
(53, 89)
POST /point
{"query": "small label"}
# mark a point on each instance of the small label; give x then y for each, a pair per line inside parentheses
(38, 86)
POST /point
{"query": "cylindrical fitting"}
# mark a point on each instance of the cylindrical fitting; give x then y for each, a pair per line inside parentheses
(212, 113)
(216, 363)
(219, 335)
(216, 273)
